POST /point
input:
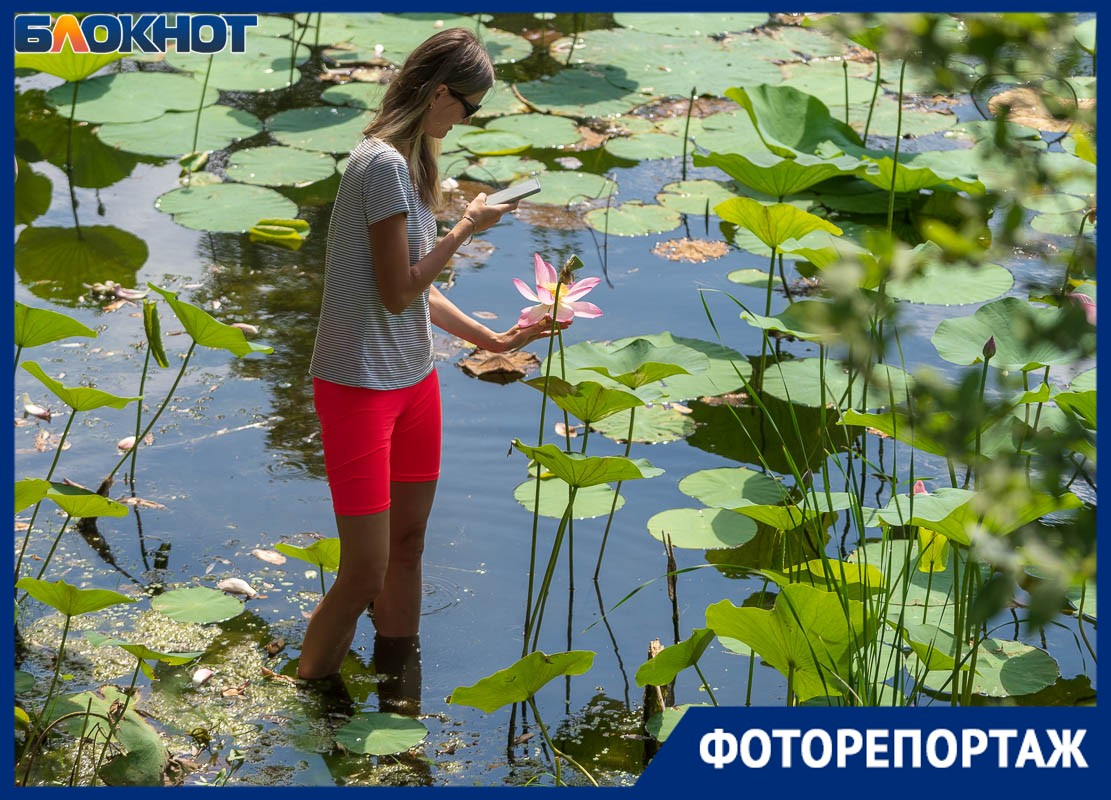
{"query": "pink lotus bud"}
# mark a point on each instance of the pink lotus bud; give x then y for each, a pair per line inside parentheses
(920, 488)
(989, 348)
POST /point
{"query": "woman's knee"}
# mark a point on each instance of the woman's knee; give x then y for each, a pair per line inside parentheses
(359, 589)
(407, 545)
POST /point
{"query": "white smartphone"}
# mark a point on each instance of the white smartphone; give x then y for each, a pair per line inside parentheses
(514, 192)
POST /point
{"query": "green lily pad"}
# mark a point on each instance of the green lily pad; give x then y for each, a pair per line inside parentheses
(542, 131)
(270, 63)
(521, 680)
(132, 96)
(68, 599)
(378, 734)
(581, 93)
(646, 146)
(633, 218)
(505, 47)
(695, 197)
(590, 502)
(494, 143)
(808, 630)
(24, 682)
(702, 528)
(143, 653)
(792, 122)
(732, 487)
(812, 320)
(1054, 203)
(1003, 669)
(776, 176)
(953, 284)
(38, 326)
(789, 516)
(885, 174)
(800, 381)
(325, 129)
(588, 401)
(356, 94)
(57, 262)
(171, 135)
(1060, 224)
(208, 331)
(66, 64)
(654, 424)
(693, 25)
(224, 207)
(569, 188)
(29, 491)
(661, 669)
(323, 553)
(772, 224)
(581, 471)
(1016, 326)
(79, 398)
(898, 426)
(279, 166)
(197, 604)
(504, 169)
(1084, 382)
(32, 195)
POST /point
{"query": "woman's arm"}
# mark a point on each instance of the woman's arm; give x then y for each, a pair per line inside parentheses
(448, 317)
(400, 283)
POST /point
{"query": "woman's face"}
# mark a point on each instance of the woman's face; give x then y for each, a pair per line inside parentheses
(449, 108)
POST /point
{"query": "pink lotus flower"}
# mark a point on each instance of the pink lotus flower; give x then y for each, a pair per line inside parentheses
(549, 294)
(1086, 303)
(920, 487)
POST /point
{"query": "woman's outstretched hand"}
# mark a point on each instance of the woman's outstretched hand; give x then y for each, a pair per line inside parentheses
(485, 216)
(517, 337)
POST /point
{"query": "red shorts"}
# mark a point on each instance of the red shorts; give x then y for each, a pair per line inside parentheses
(372, 437)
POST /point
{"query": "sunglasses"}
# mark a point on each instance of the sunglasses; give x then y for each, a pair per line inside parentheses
(469, 108)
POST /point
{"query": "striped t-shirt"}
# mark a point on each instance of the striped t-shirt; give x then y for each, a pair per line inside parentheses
(358, 341)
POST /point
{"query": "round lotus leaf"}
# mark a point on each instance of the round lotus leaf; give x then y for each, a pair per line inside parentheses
(171, 135)
(500, 101)
(646, 146)
(1003, 669)
(326, 129)
(505, 47)
(274, 26)
(131, 96)
(633, 219)
(56, 262)
(1069, 173)
(357, 94)
(378, 733)
(1055, 203)
(197, 604)
(451, 165)
(724, 132)
(493, 143)
(450, 143)
(702, 528)
(567, 188)
(886, 120)
(269, 64)
(590, 501)
(694, 25)
(503, 169)
(279, 166)
(1084, 382)
(800, 382)
(581, 92)
(695, 197)
(397, 34)
(225, 207)
(653, 424)
(806, 44)
(953, 284)
(1060, 224)
(732, 487)
(542, 131)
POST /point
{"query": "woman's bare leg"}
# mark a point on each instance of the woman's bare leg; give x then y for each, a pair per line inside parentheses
(364, 556)
(397, 607)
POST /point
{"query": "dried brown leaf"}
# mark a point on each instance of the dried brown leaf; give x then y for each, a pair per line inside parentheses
(499, 367)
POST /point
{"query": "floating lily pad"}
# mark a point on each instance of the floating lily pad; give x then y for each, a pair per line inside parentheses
(505, 47)
(1060, 224)
(646, 146)
(581, 93)
(503, 169)
(633, 218)
(953, 284)
(377, 733)
(1084, 382)
(1015, 325)
(564, 188)
(279, 166)
(357, 94)
(171, 135)
(269, 64)
(702, 528)
(494, 143)
(653, 424)
(695, 196)
(1003, 669)
(590, 502)
(732, 487)
(326, 129)
(224, 207)
(800, 381)
(197, 604)
(693, 25)
(542, 131)
(132, 96)
(56, 262)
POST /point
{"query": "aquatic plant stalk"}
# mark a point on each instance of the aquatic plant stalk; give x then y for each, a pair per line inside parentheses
(69, 161)
(134, 453)
(49, 475)
(686, 130)
(616, 495)
(533, 626)
(557, 754)
(197, 121)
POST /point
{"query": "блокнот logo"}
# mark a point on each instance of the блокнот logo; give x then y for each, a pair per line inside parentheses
(133, 33)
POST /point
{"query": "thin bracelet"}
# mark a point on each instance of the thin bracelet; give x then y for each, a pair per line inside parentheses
(474, 227)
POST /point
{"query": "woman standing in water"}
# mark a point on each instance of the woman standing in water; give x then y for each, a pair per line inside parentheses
(375, 387)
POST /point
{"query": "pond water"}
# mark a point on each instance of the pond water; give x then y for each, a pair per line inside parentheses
(235, 465)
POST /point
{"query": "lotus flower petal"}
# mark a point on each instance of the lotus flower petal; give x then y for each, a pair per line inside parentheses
(545, 272)
(580, 288)
(585, 309)
(525, 290)
(532, 315)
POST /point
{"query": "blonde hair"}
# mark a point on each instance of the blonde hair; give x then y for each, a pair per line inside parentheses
(453, 57)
